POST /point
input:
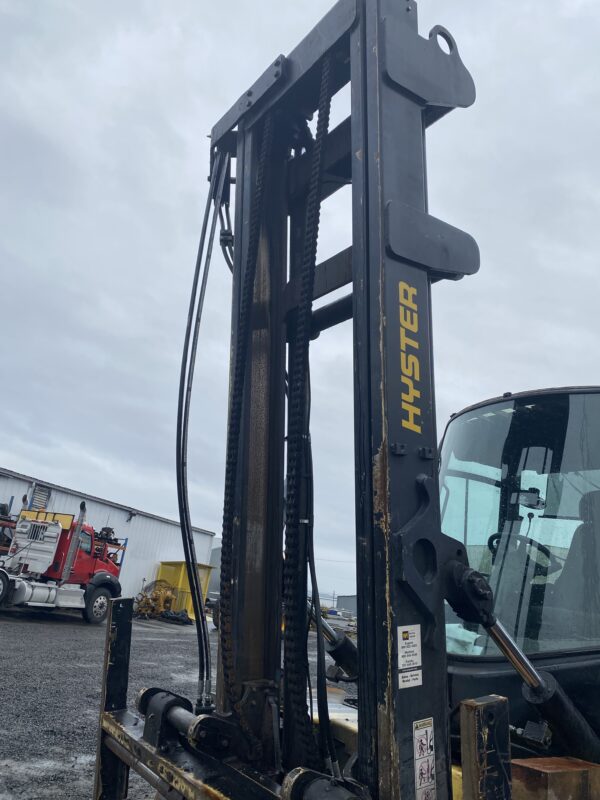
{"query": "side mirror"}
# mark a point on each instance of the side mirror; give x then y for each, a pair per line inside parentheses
(530, 498)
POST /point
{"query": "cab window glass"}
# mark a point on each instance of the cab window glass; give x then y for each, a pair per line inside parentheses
(520, 487)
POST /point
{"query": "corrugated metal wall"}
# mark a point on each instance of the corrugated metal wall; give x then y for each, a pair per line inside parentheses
(214, 584)
(150, 540)
(347, 602)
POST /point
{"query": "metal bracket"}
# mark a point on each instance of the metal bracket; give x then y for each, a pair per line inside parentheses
(218, 736)
(270, 78)
(423, 69)
(155, 705)
(443, 250)
(422, 557)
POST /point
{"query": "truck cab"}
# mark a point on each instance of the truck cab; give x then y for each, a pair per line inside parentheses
(98, 552)
(45, 568)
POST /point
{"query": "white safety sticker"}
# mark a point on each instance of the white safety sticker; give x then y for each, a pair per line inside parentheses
(424, 746)
(410, 672)
(413, 677)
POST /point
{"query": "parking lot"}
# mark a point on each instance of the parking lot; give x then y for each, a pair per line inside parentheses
(51, 666)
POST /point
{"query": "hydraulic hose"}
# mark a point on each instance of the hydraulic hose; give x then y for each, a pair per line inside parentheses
(327, 743)
(194, 318)
(326, 740)
(226, 237)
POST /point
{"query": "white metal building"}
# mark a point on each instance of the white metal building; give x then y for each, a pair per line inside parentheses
(214, 585)
(150, 538)
(347, 602)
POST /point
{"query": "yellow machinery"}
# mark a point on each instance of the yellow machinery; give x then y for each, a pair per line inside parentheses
(174, 573)
(154, 599)
(170, 591)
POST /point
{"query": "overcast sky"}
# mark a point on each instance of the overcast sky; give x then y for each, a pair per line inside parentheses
(105, 109)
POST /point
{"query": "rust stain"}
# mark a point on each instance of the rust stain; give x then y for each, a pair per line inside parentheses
(385, 743)
(184, 782)
(389, 768)
(394, 766)
(380, 484)
(483, 750)
(554, 764)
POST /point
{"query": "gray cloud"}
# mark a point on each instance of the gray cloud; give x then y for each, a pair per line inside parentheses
(104, 111)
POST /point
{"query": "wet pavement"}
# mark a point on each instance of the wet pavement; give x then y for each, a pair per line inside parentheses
(51, 666)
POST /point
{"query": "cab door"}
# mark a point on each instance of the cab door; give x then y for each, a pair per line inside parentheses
(83, 566)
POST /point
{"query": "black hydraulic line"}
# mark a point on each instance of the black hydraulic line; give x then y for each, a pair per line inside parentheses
(309, 682)
(294, 595)
(181, 493)
(193, 571)
(226, 236)
(185, 390)
(235, 414)
(327, 743)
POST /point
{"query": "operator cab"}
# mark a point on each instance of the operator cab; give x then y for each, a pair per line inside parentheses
(520, 486)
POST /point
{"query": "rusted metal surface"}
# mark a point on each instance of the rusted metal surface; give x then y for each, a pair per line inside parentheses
(112, 775)
(259, 502)
(195, 776)
(191, 775)
(162, 788)
(485, 748)
(555, 779)
(402, 687)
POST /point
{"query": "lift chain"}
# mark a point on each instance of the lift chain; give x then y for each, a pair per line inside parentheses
(295, 661)
(233, 433)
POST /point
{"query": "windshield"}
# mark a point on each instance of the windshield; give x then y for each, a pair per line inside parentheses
(520, 486)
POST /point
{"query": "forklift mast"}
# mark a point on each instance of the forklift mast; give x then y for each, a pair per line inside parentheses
(400, 84)
(258, 740)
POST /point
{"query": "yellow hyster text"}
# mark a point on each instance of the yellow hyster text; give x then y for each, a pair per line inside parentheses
(410, 366)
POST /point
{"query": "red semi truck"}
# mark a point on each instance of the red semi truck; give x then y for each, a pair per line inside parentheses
(56, 561)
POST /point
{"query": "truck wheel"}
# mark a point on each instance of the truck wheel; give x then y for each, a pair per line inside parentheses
(96, 606)
(4, 585)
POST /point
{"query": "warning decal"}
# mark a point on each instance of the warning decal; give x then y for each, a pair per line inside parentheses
(424, 747)
(410, 671)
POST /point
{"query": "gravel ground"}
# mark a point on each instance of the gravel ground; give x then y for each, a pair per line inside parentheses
(51, 663)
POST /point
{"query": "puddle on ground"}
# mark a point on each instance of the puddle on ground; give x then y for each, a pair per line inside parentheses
(43, 766)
